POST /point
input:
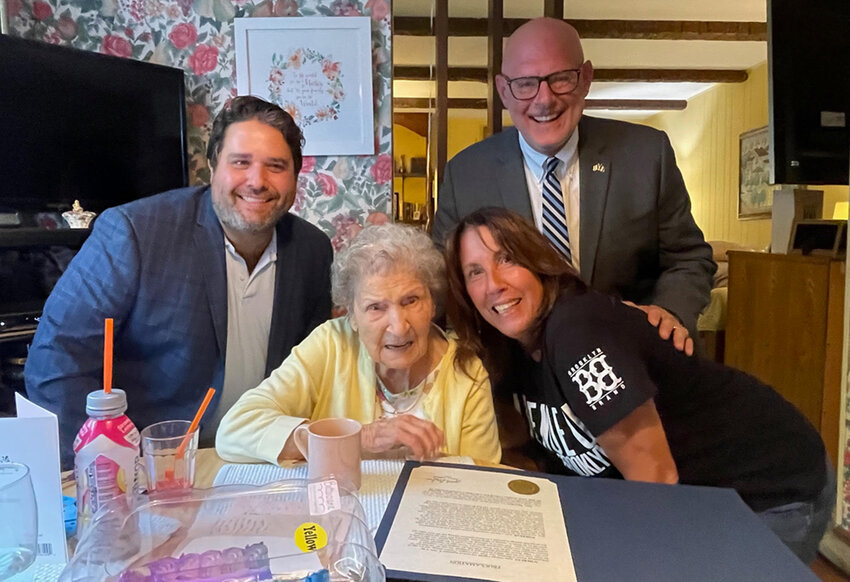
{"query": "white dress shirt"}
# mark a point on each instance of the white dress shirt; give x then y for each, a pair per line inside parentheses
(568, 175)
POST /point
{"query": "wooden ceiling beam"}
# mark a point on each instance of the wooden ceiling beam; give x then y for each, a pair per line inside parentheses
(670, 75)
(618, 29)
(400, 103)
(638, 104)
(479, 74)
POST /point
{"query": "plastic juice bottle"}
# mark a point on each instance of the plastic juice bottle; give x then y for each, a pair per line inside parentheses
(106, 449)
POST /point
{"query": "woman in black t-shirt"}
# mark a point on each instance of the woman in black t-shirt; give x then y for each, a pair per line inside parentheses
(607, 397)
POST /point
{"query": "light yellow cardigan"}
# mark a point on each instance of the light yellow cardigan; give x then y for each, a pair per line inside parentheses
(330, 374)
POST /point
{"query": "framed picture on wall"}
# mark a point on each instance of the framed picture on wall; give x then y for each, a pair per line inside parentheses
(755, 194)
(319, 70)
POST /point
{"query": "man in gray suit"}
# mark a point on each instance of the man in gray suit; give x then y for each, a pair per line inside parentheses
(627, 212)
(209, 285)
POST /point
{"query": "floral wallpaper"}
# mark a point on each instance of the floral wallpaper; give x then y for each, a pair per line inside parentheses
(340, 194)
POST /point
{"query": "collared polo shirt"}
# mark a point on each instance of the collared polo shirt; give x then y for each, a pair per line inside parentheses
(250, 300)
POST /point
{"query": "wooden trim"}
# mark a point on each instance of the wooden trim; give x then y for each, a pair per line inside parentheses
(671, 75)
(494, 65)
(619, 104)
(671, 30)
(648, 104)
(831, 407)
(479, 74)
(440, 128)
(633, 29)
(429, 103)
(553, 8)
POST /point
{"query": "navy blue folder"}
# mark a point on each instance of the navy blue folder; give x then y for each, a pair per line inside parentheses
(646, 532)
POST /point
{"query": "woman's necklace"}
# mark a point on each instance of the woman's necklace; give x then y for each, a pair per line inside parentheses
(408, 400)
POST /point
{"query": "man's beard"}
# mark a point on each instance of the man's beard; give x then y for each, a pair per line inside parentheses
(230, 217)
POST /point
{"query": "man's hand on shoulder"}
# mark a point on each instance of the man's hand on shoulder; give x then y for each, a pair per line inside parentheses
(667, 324)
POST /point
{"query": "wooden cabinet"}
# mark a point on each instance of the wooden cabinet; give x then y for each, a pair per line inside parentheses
(785, 323)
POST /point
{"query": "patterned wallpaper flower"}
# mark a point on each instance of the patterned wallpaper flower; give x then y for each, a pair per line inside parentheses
(340, 194)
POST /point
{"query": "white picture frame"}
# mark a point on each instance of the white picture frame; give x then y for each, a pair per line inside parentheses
(319, 69)
(755, 194)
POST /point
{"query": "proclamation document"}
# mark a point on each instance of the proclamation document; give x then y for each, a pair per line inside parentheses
(479, 524)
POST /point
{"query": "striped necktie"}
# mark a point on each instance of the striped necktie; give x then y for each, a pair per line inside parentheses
(554, 212)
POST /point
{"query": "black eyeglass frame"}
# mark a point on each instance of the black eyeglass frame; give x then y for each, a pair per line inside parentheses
(540, 80)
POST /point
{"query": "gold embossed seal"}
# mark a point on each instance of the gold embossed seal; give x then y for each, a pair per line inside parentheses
(523, 487)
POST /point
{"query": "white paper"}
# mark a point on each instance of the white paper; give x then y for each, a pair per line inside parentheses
(377, 484)
(479, 524)
(33, 439)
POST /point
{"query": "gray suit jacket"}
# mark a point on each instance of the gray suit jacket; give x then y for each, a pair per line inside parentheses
(157, 267)
(638, 238)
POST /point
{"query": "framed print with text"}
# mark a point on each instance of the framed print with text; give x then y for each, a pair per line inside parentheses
(319, 69)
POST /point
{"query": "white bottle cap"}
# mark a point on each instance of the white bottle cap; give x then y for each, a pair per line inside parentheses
(100, 403)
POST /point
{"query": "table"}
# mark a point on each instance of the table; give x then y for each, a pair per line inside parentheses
(207, 465)
(648, 532)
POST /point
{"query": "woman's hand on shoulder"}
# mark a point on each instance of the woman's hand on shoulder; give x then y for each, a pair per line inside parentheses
(422, 437)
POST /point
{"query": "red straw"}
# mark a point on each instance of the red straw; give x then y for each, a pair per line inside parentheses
(181, 450)
(107, 355)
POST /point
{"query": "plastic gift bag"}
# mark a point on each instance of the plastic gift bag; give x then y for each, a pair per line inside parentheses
(288, 530)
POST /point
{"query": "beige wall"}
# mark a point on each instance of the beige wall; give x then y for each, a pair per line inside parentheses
(705, 138)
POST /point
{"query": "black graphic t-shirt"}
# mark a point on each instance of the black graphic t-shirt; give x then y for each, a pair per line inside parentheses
(602, 359)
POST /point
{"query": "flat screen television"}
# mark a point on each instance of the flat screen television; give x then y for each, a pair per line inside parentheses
(80, 125)
(809, 86)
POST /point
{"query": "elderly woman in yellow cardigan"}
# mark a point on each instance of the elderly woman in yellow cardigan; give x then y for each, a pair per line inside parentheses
(384, 364)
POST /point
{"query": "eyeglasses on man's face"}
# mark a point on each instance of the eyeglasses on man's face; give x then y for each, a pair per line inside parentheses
(560, 83)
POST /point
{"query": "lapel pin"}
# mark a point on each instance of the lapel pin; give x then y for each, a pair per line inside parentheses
(599, 168)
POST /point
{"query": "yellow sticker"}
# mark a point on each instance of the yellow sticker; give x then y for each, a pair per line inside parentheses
(310, 537)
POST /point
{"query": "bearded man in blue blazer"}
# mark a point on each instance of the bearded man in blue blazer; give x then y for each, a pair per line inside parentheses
(208, 286)
(627, 212)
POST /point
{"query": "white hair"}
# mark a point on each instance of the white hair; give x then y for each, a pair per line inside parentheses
(383, 249)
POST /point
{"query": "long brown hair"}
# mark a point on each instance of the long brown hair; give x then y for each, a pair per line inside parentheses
(525, 246)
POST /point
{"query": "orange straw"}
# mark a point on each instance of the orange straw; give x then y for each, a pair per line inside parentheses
(181, 450)
(107, 355)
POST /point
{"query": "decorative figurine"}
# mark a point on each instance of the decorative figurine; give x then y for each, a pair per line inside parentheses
(77, 217)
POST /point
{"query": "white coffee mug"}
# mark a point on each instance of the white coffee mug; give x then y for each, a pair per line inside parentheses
(332, 448)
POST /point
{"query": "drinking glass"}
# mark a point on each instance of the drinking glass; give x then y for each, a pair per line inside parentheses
(19, 523)
(165, 472)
